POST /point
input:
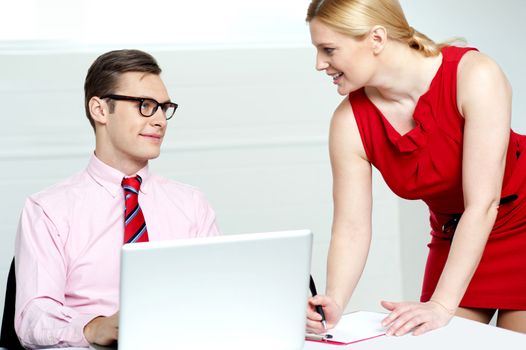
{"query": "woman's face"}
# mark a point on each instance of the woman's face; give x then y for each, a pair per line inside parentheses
(347, 60)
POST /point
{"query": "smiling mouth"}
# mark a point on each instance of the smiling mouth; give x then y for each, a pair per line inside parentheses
(157, 137)
(336, 76)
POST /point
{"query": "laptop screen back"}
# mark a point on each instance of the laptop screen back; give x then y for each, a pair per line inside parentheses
(230, 292)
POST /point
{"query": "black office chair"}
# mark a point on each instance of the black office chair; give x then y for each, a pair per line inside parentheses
(8, 338)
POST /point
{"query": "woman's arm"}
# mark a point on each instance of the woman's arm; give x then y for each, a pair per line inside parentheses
(351, 229)
(484, 99)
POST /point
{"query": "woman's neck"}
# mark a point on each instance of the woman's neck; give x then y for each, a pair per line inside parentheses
(404, 74)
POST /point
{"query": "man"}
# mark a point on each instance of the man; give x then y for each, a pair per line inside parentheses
(69, 237)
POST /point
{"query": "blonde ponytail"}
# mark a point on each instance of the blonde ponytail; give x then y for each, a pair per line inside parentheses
(357, 17)
(422, 43)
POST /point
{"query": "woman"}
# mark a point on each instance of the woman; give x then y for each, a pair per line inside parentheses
(435, 121)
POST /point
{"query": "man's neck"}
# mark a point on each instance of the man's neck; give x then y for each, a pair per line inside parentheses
(128, 167)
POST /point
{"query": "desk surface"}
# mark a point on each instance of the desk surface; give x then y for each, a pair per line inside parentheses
(458, 334)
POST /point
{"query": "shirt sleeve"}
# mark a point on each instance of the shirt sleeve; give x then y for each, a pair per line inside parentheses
(41, 319)
(206, 217)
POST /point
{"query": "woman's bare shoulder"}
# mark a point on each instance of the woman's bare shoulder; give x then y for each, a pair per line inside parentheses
(475, 66)
(344, 133)
(479, 77)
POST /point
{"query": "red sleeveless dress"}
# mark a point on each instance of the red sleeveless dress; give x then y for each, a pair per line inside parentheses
(426, 162)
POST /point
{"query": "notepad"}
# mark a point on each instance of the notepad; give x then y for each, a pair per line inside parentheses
(356, 327)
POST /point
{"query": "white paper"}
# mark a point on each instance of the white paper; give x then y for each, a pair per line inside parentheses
(357, 326)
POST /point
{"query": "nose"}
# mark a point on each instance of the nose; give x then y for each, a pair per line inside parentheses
(321, 64)
(159, 118)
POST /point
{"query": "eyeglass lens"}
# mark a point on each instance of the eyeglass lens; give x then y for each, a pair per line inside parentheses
(149, 107)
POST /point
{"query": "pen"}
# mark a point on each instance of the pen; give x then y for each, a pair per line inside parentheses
(319, 309)
(321, 337)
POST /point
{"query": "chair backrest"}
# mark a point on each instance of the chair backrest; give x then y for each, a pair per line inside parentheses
(8, 337)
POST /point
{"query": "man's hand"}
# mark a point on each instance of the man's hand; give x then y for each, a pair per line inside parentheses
(102, 330)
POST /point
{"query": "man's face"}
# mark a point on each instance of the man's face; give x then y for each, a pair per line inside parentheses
(131, 138)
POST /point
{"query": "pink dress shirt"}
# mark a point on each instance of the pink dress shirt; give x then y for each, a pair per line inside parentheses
(68, 248)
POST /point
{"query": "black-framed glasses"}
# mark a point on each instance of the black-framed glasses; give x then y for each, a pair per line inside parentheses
(147, 106)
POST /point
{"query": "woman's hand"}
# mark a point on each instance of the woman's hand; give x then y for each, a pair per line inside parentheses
(415, 317)
(332, 311)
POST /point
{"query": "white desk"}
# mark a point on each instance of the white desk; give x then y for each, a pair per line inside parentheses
(458, 334)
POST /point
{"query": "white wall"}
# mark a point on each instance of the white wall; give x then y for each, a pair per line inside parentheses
(251, 130)
(253, 137)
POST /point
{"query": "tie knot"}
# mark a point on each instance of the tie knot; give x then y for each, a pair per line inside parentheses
(131, 184)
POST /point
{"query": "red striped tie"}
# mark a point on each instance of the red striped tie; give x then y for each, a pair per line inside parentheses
(134, 224)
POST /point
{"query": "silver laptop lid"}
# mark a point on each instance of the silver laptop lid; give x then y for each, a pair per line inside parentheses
(244, 291)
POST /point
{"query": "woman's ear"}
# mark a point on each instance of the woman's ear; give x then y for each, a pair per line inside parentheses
(99, 110)
(378, 37)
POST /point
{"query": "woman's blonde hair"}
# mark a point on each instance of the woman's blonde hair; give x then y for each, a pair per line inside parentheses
(357, 17)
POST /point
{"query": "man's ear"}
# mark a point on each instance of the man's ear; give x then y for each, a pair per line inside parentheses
(378, 37)
(99, 110)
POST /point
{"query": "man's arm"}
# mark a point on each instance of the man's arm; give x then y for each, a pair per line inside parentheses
(41, 319)
(205, 216)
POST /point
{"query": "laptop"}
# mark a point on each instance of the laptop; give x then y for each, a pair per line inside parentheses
(246, 291)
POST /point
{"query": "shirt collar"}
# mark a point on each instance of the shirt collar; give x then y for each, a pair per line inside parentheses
(111, 178)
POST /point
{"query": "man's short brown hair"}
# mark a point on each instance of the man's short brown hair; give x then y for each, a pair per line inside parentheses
(103, 75)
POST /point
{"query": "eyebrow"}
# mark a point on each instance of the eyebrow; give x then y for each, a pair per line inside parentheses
(154, 99)
(323, 44)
